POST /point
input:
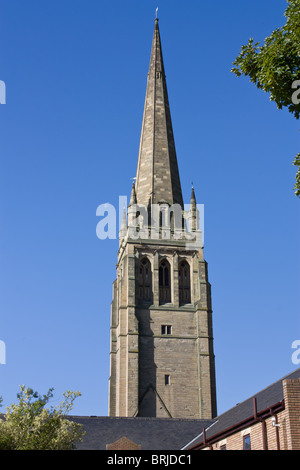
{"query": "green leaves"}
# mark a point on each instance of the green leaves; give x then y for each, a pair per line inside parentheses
(296, 162)
(275, 65)
(29, 425)
(272, 67)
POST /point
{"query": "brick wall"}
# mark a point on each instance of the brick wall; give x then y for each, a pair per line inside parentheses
(284, 436)
(236, 440)
(123, 444)
(291, 389)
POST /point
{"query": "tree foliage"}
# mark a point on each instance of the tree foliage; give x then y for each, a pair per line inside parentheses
(297, 184)
(274, 66)
(29, 425)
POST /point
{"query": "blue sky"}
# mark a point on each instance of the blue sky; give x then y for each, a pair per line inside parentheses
(75, 74)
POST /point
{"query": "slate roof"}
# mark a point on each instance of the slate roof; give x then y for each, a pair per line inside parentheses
(151, 433)
(170, 433)
(266, 398)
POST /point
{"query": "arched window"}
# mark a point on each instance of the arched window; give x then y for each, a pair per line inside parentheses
(164, 282)
(144, 280)
(184, 283)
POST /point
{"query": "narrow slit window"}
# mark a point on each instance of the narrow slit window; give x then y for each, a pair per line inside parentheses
(247, 442)
(145, 281)
(166, 329)
(184, 283)
(167, 380)
(164, 282)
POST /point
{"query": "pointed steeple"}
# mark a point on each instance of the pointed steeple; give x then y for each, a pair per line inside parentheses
(133, 196)
(193, 198)
(194, 213)
(157, 178)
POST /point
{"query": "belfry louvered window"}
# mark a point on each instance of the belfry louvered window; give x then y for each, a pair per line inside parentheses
(145, 280)
(184, 283)
(164, 282)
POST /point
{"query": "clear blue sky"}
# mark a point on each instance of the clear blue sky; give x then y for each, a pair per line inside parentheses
(75, 72)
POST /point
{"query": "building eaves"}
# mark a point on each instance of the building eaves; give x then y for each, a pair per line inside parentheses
(267, 401)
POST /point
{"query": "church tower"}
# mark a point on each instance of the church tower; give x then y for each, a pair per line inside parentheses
(161, 357)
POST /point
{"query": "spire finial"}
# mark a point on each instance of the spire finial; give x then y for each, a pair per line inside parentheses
(193, 197)
(156, 13)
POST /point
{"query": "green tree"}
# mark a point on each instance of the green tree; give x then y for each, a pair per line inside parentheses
(29, 425)
(274, 67)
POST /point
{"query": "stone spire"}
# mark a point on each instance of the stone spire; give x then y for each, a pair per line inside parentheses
(194, 213)
(157, 178)
(161, 356)
(133, 196)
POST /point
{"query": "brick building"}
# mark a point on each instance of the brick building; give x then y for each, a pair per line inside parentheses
(270, 420)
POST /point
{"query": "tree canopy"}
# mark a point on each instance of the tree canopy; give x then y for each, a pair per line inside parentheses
(29, 425)
(274, 67)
